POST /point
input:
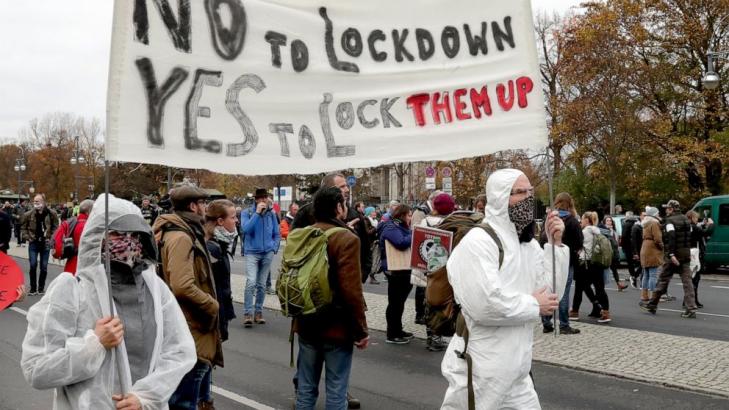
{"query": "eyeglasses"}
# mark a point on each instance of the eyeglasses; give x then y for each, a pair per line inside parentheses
(522, 191)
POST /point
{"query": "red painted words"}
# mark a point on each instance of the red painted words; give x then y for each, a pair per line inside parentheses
(465, 104)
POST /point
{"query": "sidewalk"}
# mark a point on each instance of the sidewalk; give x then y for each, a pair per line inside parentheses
(685, 363)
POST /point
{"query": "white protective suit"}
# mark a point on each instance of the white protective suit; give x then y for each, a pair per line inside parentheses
(61, 350)
(498, 307)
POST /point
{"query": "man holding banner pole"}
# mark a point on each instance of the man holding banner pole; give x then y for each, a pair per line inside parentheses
(502, 289)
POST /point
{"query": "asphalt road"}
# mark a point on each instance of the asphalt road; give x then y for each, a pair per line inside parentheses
(712, 321)
(257, 375)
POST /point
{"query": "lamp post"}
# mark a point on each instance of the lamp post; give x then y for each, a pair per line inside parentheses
(76, 160)
(20, 168)
(711, 79)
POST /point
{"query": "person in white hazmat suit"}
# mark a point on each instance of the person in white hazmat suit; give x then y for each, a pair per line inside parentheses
(501, 306)
(71, 332)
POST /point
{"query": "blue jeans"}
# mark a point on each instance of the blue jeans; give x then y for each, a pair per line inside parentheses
(650, 278)
(193, 388)
(36, 249)
(258, 265)
(337, 359)
(564, 304)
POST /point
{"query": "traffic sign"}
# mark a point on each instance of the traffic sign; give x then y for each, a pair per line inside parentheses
(429, 171)
(430, 183)
(448, 185)
(447, 172)
(351, 180)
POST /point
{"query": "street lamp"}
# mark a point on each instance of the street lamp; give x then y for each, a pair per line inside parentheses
(76, 159)
(20, 168)
(711, 79)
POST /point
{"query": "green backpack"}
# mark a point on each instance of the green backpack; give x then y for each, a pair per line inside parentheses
(602, 251)
(303, 283)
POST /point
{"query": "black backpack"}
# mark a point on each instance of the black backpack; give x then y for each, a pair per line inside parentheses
(68, 247)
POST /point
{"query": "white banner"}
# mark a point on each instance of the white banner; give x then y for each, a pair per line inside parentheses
(302, 86)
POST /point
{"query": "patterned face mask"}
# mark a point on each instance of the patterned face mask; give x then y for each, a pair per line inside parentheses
(522, 213)
(125, 247)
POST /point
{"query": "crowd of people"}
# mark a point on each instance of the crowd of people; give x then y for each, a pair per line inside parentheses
(172, 299)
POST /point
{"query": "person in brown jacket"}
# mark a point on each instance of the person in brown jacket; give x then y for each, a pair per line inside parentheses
(187, 270)
(651, 252)
(328, 338)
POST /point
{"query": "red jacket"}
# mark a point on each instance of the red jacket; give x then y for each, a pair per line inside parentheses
(58, 240)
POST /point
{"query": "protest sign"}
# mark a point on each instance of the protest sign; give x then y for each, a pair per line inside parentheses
(10, 278)
(303, 86)
(422, 245)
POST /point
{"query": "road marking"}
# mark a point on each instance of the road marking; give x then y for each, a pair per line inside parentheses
(698, 313)
(721, 287)
(217, 390)
(240, 399)
(19, 310)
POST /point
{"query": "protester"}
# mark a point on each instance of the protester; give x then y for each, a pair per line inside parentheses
(186, 269)
(262, 237)
(288, 220)
(391, 208)
(651, 252)
(64, 230)
(220, 232)
(443, 205)
(305, 217)
(38, 227)
(424, 209)
(627, 245)
(238, 236)
(479, 205)
(149, 211)
(371, 214)
(396, 231)
(6, 228)
(18, 213)
(678, 257)
(501, 304)
(700, 231)
(327, 340)
(572, 237)
(607, 228)
(636, 237)
(592, 271)
(71, 331)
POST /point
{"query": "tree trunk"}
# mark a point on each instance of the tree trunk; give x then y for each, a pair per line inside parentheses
(613, 188)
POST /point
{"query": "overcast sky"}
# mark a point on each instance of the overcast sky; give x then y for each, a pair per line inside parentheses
(55, 57)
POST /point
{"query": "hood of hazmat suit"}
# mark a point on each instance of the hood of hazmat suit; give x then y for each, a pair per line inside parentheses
(61, 350)
(498, 306)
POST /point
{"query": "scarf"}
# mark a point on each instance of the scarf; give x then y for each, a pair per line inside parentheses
(223, 236)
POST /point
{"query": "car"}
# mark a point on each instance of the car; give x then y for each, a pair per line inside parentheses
(717, 246)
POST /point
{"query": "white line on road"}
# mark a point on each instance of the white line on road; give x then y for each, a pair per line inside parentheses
(217, 390)
(240, 399)
(19, 310)
(698, 313)
(721, 287)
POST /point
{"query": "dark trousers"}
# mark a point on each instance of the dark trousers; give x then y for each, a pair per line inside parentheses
(633, 265)
(194, 387)
(419, 301)
(664, 279)
(583, 284)
(38, 250)
(695, 280)
(18, 234)
(398, 289)
(597, 274)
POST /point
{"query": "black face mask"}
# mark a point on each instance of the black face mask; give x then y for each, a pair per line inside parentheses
(522, 213)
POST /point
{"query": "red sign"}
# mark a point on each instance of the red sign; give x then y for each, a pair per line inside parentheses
(11, 276)
(423, 249)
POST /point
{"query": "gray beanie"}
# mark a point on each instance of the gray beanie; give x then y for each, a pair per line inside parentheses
(651, 211)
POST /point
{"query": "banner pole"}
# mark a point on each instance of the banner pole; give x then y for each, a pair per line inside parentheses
(107, 268)
(550, 173)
